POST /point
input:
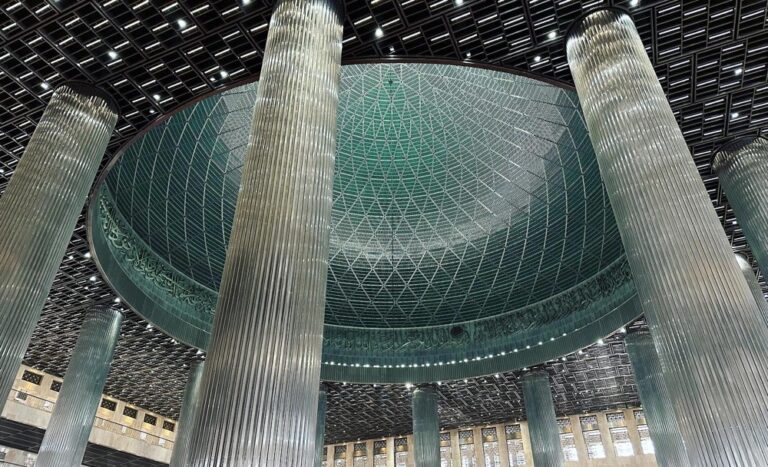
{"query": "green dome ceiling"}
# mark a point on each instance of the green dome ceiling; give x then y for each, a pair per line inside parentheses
(460, 194)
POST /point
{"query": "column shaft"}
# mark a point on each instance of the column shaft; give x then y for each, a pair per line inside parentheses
(426, 427)
(70, 426)
(659, 413)
(542, 421)
(742, 166)
(259, 387)
(39, 209)
(322, 404)
(754, 286)
(707, 328)
(190, 405)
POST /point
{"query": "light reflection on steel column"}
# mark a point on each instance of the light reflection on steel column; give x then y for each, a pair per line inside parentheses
(426, 426)
(542, 421)
(754, 286)
(190, 405)
(66, 436)
(742, 165)
(322, 404)
(662, 424)
(707, 328)
(259, 388)
(39, 209)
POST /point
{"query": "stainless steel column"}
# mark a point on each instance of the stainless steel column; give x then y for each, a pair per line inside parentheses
(542, 421)
(39, 209)
(322, 404)
(189, 408)
(707, 327)
(70, 426)
(742, 165)
(259, 387)
(754, 286)
(662, 424)
(426, 427)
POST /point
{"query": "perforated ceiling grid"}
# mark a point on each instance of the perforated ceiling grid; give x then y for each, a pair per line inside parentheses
(710, 57)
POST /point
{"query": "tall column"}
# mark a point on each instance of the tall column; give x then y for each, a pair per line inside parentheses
(70, 426)
(742, 165)
(659, 413)
(190, 405)
(322, 403)
(259, 387)
(39, 209)
(542, 421)
(706, 326)
(754, 286)
(426, 426)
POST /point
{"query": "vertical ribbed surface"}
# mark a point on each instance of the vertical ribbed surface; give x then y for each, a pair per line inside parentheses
(542, 421)
(742, 166)
(710, 337)
(754, 286)
(259, 387)
(426, 427)
(70, 426)
(189, 408)
(662, 424)
(39, 209)
(322, 402)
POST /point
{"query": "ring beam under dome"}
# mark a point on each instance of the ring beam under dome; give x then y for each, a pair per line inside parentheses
(469, 220)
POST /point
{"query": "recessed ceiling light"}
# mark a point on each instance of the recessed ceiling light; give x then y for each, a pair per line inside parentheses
(737, 71)
(537, 58)
(469, 54)
(459, 2)
(552, 34)
(92, 279)
(112, 54)
(634, 2)
(734, 222)
(391, 49)
(156, 97)
(87, 254)
(379, 32)
(224, 73)
(182, 23)
(735, 115)
(45, 86)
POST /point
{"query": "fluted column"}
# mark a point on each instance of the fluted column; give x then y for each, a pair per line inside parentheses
(426, 427)
(70, 426)
(662, 424)
(754, 286)
(39, 209)
(322, 403)
(706, 326)
(742, 165)
(190, 404)
(259, 387)
(542, 421)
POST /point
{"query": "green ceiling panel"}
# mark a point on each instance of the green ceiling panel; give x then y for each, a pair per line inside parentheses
(460, 194)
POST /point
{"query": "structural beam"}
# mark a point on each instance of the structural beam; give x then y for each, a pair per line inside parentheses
(542, 421)
(426, 426)
(707, 328)
(39, 209)
(259, 387)
(70, 426)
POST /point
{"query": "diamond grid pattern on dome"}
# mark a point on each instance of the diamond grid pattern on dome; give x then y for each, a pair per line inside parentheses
(460, 193)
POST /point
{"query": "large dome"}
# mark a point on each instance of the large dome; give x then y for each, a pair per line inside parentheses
(464, 199)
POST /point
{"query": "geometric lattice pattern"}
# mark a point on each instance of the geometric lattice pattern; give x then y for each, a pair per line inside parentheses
(710, 57)
(460, 193)
(599, 378)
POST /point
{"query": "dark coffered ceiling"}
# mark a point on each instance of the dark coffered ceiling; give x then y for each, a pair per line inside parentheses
(155, 56)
